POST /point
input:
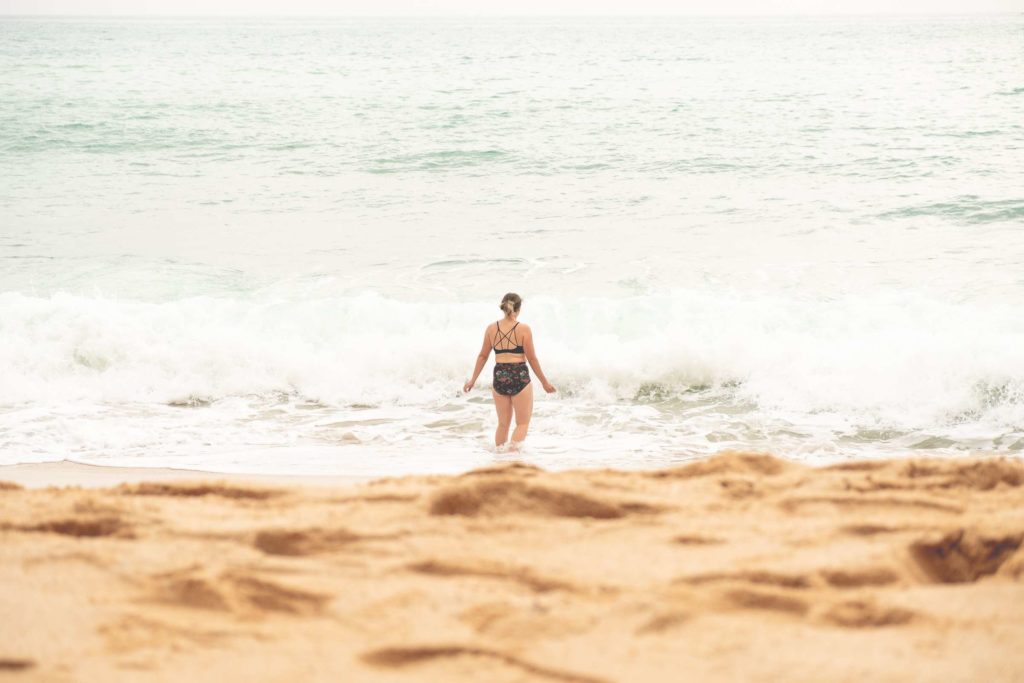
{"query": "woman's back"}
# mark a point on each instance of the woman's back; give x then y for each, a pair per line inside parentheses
(507, 343)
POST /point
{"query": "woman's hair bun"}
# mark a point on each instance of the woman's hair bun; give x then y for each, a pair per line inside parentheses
(510, 303)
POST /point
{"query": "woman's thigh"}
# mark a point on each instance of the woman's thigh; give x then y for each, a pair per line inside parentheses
(502, 406)
(522, 404)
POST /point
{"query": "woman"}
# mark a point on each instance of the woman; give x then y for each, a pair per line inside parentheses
(512, 342)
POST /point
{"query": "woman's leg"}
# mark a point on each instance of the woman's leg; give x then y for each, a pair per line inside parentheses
(522, 404)
(503, 406)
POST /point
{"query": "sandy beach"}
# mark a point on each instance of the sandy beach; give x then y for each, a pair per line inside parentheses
(739, 567)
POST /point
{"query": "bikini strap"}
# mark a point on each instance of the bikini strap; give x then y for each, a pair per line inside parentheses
(504, 336)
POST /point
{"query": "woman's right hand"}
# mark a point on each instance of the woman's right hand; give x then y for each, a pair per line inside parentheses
(466, 387)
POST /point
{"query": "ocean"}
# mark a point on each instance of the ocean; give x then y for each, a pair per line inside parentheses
(273, 245)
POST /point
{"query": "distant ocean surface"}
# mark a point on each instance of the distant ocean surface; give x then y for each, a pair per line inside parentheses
(273, 245)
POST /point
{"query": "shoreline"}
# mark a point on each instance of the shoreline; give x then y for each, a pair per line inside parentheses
(71, 473)
(68, 473)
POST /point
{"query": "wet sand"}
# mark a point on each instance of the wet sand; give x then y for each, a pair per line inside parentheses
(739, 567)
(70, 473)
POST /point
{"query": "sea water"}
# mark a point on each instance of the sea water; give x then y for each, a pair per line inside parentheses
(273, 245)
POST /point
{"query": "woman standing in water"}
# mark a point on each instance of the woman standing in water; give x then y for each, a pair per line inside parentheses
(512, 342)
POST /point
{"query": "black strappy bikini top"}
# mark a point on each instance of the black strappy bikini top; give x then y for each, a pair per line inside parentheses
(510, 337)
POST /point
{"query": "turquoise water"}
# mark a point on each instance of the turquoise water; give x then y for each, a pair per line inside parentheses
(273, 244)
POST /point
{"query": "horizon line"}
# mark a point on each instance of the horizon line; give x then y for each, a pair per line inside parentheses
(532, 14)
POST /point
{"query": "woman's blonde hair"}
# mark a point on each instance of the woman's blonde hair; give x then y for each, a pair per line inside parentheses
(510, 303)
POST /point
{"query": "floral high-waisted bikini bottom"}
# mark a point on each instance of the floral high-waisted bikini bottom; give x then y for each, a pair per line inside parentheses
(510, 378)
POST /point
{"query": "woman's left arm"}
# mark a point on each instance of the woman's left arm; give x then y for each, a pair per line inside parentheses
(531, 355)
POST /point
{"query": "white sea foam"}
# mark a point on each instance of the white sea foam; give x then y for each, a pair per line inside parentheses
(679, 369)
(898, 355)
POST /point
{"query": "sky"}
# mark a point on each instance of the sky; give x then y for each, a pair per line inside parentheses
(519, 7)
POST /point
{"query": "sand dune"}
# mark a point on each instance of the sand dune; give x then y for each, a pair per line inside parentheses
(739, 567)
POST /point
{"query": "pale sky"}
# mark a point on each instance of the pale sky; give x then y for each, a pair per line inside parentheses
(518, 7)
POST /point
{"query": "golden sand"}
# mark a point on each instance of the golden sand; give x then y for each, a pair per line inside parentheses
(737, 568)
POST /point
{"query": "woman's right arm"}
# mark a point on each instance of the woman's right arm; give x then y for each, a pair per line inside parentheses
(481, 359)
